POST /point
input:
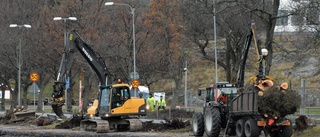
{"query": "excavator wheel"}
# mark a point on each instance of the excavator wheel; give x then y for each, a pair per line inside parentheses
(57, 109)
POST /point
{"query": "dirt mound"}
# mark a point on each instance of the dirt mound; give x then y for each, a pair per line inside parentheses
(177, 119)
(170, 114)
(303, 123)
(167, 125)
(25, 122)
(73, 122)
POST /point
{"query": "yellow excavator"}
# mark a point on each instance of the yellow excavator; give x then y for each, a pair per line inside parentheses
(114, 108)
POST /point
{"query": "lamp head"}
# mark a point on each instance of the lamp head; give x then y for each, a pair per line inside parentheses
(109, 3)
(57, 18)
(27, 25)
(13, 25)
(72, 18)
(264, 52)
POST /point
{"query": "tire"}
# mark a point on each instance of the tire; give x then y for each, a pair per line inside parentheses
(286, 131)
(240, 128)
(212, 122)
(274, 134)
(197, 124)
(251, 128)
(231, 131)
(224, 119)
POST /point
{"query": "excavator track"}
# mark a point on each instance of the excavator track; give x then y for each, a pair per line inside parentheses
(104, 126)
(134, 124)
(95, 125)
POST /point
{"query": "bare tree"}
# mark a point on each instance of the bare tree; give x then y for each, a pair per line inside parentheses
(233, 20)
(167, 23)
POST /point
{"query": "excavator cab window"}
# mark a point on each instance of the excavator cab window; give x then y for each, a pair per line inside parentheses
(104, 99)
(119, 96)
(125, 94)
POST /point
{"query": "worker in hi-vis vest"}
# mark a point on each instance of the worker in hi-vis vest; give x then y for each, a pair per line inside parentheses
(151, 102)
(161, 104)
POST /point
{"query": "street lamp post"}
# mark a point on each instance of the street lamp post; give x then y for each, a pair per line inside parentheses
(264, 53)
(19, 58)
(215, 40)
(65, 40)
(133, 35)
(185, 85)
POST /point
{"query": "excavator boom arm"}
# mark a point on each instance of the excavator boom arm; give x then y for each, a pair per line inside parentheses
(93, 58)
(75, 43)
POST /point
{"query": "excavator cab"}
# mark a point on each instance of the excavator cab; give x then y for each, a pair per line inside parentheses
(115, 101)
(112, 97)
(117, 110)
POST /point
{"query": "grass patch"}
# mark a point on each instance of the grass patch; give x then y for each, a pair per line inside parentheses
(310, 111)
(53, 126)
(313, 132)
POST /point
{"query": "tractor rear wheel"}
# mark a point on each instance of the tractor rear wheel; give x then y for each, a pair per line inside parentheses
(212, 121)
(198, 124)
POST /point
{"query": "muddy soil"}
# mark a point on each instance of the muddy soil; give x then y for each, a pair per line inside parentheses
(179, 126)
(32, 131)
(46, 127)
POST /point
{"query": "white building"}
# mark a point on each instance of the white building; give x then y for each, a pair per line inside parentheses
(296, 16)
(144, 90)
(7, 94)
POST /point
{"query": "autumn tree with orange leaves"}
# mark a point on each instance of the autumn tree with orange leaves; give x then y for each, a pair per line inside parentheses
(167, 23)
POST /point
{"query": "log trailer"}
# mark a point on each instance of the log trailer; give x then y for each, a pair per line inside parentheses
(259, 105)
(114, 108)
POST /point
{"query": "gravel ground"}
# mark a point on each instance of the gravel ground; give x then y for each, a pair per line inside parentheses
(28, 128)
(32, 131)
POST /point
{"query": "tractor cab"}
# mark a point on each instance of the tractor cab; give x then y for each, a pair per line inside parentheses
(219, 90)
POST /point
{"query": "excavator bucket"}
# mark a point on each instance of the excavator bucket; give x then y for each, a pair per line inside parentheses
(58, 101)
(57, 109)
